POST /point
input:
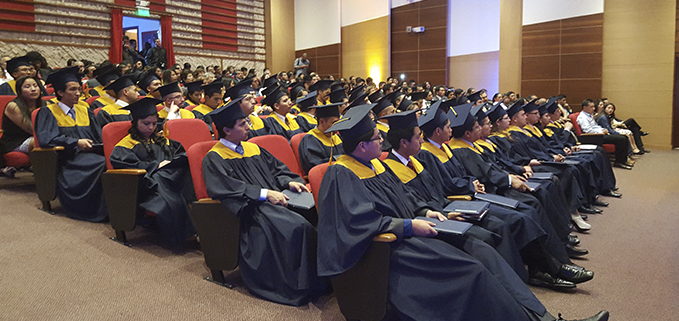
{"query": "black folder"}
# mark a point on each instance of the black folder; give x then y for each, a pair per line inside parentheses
(497, 200)
(471, 210)
(534, 186)
(302, 200)
(547, 176)
(448, 226)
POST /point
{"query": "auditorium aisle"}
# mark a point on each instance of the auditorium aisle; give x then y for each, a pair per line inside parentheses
(55, 268)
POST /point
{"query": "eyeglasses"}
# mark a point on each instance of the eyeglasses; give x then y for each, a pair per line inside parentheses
(378, 138)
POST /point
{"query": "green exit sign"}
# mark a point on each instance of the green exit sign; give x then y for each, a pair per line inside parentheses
(143, 12)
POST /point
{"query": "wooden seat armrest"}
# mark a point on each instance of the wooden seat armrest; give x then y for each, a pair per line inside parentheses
(592, 134)
(208, 201)
(48, 149)
(385, 238)
(127, 171)
(459, 198)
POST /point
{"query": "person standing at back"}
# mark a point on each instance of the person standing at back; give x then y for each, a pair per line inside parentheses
(301, 65)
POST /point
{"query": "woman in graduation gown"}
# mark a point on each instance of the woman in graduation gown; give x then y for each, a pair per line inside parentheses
(277, 245)
(167, 187)
(428, 278)
(74, 127)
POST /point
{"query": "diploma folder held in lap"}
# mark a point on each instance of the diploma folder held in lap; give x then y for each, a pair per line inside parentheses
(302, 200)
(448, 226)
(471, 210)
(497, 200)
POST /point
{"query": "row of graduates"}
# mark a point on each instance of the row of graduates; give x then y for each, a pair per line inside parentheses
(244, 177)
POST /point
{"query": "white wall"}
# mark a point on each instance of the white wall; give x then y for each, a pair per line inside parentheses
(473, 26)
(355, 11)
(400, 3)
(317, 23)
(537, 11)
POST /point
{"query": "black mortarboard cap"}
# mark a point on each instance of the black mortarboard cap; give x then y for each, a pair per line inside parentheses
(417, 96)
(307, 101)
(212, 88)
(381, 105)
(232, 111)
(477, 112)
(461, 119)
(143, 108)
(61, 77)
(170, 88)
(432, 119)
(274, 96)
(360, 100)
(406, 119)
(194, 86)
(374, 97)
(329, 110)
(336, 86)
(496, 112)
(17, 62)
(146, 79)
(515, 108)
(296, 88)
(240, 89)
(120, 83)
(321, 85)
(542, 109)
(531, 106)
(551, 105)
(337, 95)
(403, 105)
(354, 124)
(356, 92)
(392, 96)
(270, 82)
(474, 97)
(107, 74)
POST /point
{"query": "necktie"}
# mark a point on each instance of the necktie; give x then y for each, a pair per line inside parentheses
(71, 112)
(411, 166)
(239, 149)
(247, 119)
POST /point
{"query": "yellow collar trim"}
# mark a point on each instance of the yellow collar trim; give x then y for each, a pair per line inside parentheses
(404, 173)
(362, 171)
(456, 143)
(327, 141)
(81, 116)
(309, 118)
(249, 150)
(442, 156)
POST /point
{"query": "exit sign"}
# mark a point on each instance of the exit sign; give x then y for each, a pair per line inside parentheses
(143, 12)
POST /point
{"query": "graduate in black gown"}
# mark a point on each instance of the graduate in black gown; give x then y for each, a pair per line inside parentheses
(149, 83)
(173, 99)
(194, 93)
(17, 67)
(317, 146)
(383, 107)
(107, 97)
(166, 188)
(306, 118)
(428, 278)
(277, 245)
(280, 122)
(74, 127)
(521, 237)
(127, 93)
(247, 104)
(213, 100)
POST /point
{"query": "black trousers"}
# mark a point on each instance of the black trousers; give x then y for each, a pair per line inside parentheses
(621, 147)
(632, 125)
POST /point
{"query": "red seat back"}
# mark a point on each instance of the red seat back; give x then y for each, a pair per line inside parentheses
(48, 98)
(111, 134)
(294, 144)
(190, 108)
(96, 111)
(90, 100)
(160, 107)
(315, 179)
(49, 89)
(384, 155)
(279, 147)
(576, 126)
(187, 131)
(195, 155)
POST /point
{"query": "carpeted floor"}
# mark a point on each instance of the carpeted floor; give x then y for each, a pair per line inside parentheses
(55, 268)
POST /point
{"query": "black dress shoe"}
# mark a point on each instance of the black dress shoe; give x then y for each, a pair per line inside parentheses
(615, 189)
(644, 133)
(612, 193)
(544, 280)
(601, 316)
(621, 165)
(573, 239)
(584, 216)
(599, 203)
(574, 274)
(574, 252)
(589, 209)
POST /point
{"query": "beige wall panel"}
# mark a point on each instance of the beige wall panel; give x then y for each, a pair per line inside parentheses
(638, 58)
(511, 13)
(280, 34)
(365, 49)
(475, 70)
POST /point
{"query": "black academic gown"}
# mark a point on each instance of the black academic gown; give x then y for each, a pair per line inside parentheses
(102, 101)
(257, 126)
(112, 113)
(306, 121)
(7, 88)
(278, 127)
(384, 130)
(277, 246)
(201, 112)
(447, 169)
(315, 148)
(428, 278)
(165, 191)
(78, 180)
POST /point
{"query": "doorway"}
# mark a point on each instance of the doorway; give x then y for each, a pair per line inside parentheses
(143, 31)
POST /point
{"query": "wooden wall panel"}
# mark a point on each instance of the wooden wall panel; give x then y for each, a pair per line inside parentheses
(324, 60)
(420, 56)
(563, 57)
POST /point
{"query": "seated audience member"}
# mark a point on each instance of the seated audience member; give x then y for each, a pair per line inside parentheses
(194, 93)
(149, 83)
(17, 67)
(317, 146)
(589, 126)
(339, 96)
(16, 121)
(278, 245)
(606, 119)
(280, 122)
(306, 118)
(172, 100)
(213, 100)
(424, 272)
(74, 127)
(167, 184)
(383, 107)
(247, 102)
(106, 96)
(630, 124)
(127, 93)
